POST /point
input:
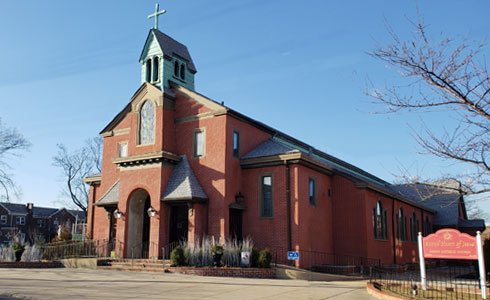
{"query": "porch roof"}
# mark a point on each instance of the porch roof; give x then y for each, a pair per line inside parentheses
(111, 197)
(183, 184)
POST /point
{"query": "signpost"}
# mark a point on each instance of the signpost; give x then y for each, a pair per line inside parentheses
(293, 255)
(451, 244)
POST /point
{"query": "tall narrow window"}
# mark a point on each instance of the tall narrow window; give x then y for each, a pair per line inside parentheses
(147, 123)
(176, 69)
(414, 227)
(402, 226)
(182, 71)
(3, 219)
(123, 149)
(155, 71)
(236, 144)
(198, 143)
(312, 191)
(266, 196)
(148, 70)
(380, 222)
(427, 226)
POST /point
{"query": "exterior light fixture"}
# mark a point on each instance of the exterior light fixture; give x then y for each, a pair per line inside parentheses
(118, 214)
(151, 212)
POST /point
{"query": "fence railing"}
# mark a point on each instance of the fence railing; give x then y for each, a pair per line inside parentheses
(86, 248)
(327, 263)
(443, 281)
(168, 249)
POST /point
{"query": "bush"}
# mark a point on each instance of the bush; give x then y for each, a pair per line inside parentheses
(177, 257)
(255, 258)
(18, 247)
(265, 258)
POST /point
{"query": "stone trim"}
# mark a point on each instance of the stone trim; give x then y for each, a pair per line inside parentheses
(152, 157)
(201, 116)
(92, 180)
(122, 131)
(281, 159)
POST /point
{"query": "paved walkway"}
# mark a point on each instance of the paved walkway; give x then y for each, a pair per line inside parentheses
(101, 284)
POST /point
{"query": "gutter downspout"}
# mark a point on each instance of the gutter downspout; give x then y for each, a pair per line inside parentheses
(91, 236)
(393, 229)
(288, 204)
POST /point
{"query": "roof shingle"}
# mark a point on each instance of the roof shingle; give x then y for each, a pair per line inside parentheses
(183, 184)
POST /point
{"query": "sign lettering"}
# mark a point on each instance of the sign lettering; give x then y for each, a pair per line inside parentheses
(450, 244)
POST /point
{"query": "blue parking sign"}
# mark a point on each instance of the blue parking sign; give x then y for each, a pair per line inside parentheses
(293, 255)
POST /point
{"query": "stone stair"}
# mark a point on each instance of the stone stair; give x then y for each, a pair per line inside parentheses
(134, 265)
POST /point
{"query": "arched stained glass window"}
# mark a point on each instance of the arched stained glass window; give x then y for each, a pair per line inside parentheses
(147, 123)
(380, 222)
(401, 225)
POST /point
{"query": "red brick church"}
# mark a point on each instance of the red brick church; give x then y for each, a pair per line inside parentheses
(178, 165)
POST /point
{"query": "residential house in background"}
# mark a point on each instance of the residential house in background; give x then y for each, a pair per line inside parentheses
(31, 224)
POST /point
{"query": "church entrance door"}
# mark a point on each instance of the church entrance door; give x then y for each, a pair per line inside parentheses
(236, 224)
(138, 225)
(179, 223)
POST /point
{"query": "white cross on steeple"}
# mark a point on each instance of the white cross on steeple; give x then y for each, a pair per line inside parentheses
(156, 14)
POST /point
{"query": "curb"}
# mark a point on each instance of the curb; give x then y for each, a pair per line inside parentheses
(379, 294)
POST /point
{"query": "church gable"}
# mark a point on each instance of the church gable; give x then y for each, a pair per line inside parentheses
(145, 92)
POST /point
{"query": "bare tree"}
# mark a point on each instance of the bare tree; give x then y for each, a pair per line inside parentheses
(11, 143)
(447, 74)
(77, 165)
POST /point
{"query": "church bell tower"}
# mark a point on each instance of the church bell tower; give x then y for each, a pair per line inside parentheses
(164, 60)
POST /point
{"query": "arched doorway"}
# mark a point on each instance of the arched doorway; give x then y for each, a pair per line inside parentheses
(138, 226)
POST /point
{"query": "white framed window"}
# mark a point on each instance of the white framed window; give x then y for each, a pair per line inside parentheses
(266, 209)
(20, 220)
(199, 143)
(56, 223)
(3, 219)
(122, 149)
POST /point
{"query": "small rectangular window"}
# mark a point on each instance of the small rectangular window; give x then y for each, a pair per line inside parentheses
(312, 191)
(20, 220)
(198, 143)
(236, 144)
(40, 223)
(266, 196)
(123, 149)
(3, 219)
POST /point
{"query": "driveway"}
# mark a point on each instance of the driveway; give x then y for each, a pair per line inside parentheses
(107, 284)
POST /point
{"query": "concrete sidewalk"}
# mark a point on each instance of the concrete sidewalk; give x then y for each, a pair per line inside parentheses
(98, 284)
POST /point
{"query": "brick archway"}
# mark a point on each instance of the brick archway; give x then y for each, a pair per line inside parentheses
(138, 224)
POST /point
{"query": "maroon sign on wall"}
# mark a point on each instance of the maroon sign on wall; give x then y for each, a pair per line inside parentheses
(450, 244)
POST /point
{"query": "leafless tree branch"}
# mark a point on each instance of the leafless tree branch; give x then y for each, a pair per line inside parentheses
(77, 165)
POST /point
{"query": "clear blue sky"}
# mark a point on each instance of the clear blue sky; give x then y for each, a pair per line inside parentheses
(67, 67)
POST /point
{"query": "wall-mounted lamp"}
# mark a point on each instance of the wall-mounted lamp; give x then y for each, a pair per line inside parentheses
(151, 212)
(118, 214)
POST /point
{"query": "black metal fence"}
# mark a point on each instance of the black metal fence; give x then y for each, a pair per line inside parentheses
(86, 248)
(445, 280)
(327, 263)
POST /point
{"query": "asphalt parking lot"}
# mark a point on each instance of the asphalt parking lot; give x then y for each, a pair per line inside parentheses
(108, 284)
